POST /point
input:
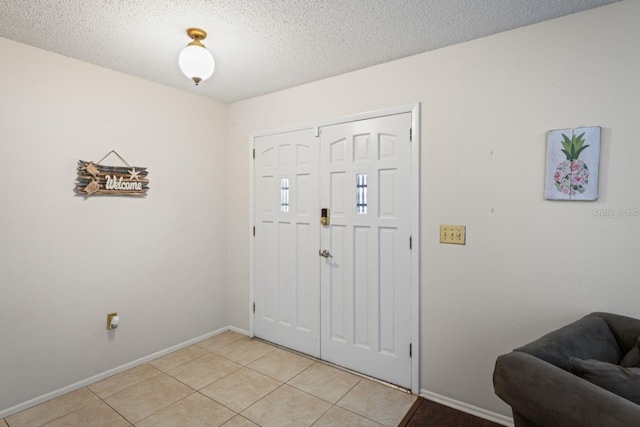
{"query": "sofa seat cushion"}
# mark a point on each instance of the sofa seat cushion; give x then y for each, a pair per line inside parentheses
(625, 382)
(587, 338)
(632, 358)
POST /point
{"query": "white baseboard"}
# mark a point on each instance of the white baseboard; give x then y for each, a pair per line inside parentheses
(238, 330)
(83, 383)
(469, 409)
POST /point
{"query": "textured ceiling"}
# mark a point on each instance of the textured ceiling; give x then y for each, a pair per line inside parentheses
(262, 46)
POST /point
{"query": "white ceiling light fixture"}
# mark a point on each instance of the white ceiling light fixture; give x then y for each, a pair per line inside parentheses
(195, 60)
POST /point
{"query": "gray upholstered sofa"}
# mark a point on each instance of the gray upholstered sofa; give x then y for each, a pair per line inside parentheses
(536, 380)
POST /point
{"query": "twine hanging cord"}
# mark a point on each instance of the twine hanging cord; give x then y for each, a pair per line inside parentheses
(116, 153)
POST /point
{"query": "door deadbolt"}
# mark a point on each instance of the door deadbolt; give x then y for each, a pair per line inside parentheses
(324, 216)
(325, 253)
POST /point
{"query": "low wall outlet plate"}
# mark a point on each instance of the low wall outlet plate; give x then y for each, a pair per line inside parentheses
(110, 316)
(453, 234)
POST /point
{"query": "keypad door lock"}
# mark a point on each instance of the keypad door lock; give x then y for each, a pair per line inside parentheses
(324, 216)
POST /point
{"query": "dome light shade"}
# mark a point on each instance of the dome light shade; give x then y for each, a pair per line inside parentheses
(195, 61)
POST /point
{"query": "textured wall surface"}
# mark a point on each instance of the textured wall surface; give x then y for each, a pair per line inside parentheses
(529, 265)
(66, 262)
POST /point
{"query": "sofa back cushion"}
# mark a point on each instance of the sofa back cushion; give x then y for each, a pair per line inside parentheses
(587, 338)
(625, 329)
(632, 358)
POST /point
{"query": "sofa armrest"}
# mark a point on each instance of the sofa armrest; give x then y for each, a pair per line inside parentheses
(552, 397)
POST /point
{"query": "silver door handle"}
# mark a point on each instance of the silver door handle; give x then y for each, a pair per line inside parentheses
(325, 253)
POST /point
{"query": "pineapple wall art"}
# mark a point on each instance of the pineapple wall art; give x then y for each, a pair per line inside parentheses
(573, 157)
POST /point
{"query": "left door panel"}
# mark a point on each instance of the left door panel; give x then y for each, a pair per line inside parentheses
(287, 240)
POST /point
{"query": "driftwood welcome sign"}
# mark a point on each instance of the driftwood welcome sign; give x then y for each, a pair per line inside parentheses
(94, 178)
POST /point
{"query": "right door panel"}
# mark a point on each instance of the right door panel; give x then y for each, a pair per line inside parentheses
(365, 178)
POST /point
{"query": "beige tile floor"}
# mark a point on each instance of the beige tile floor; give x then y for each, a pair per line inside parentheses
(227, 380)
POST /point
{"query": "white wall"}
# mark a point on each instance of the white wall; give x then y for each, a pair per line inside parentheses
(66, 262)
(529, 265)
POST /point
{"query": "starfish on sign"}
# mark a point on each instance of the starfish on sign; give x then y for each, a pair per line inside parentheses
(134, 174)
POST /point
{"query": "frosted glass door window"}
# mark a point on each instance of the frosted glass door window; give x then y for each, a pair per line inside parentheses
(284, 195)
(361, 193)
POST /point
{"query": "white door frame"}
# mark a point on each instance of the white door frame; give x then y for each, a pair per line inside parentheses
(414, 109)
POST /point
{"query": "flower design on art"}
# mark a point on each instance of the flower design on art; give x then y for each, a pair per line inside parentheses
(572, 175)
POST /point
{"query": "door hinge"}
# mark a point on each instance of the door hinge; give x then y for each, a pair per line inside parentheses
(254, 154)
(410, 242)
(410, 348)
(254, 231)
(410, 134)
(254, 307)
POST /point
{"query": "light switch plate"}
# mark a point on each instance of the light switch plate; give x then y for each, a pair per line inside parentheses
(453, 234)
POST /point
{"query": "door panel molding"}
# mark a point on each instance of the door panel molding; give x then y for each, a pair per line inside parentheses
(366, 289)
(286, 267)
(315, 127)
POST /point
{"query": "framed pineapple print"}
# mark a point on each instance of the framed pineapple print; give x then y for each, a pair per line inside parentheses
(573, 158)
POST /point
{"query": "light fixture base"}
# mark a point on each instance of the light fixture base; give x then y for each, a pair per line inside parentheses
(196, 34)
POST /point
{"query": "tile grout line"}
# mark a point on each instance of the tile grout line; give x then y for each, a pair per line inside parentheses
(221, 404)
(198, 391)
(360, 415)
(300, 373)
(126, 388)
(325, 363)
(199, 357)
(217, 348)
(282, 384)
(276, 347)
(65, 414)
(242, 416)
(287, 384)
(348, 410)
(230, 373)
(182, 364)
(254, 403)
(266, 375)
(160, 371)
(162, 409)
(321, 415)
(114, 409)
(238, 363)
(191, 360)
(333, 365)
(324, 400)
(274, 378)
(225, 376)
(342, 369)
(206, 385)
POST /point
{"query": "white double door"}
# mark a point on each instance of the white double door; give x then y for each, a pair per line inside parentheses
(351, 305)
